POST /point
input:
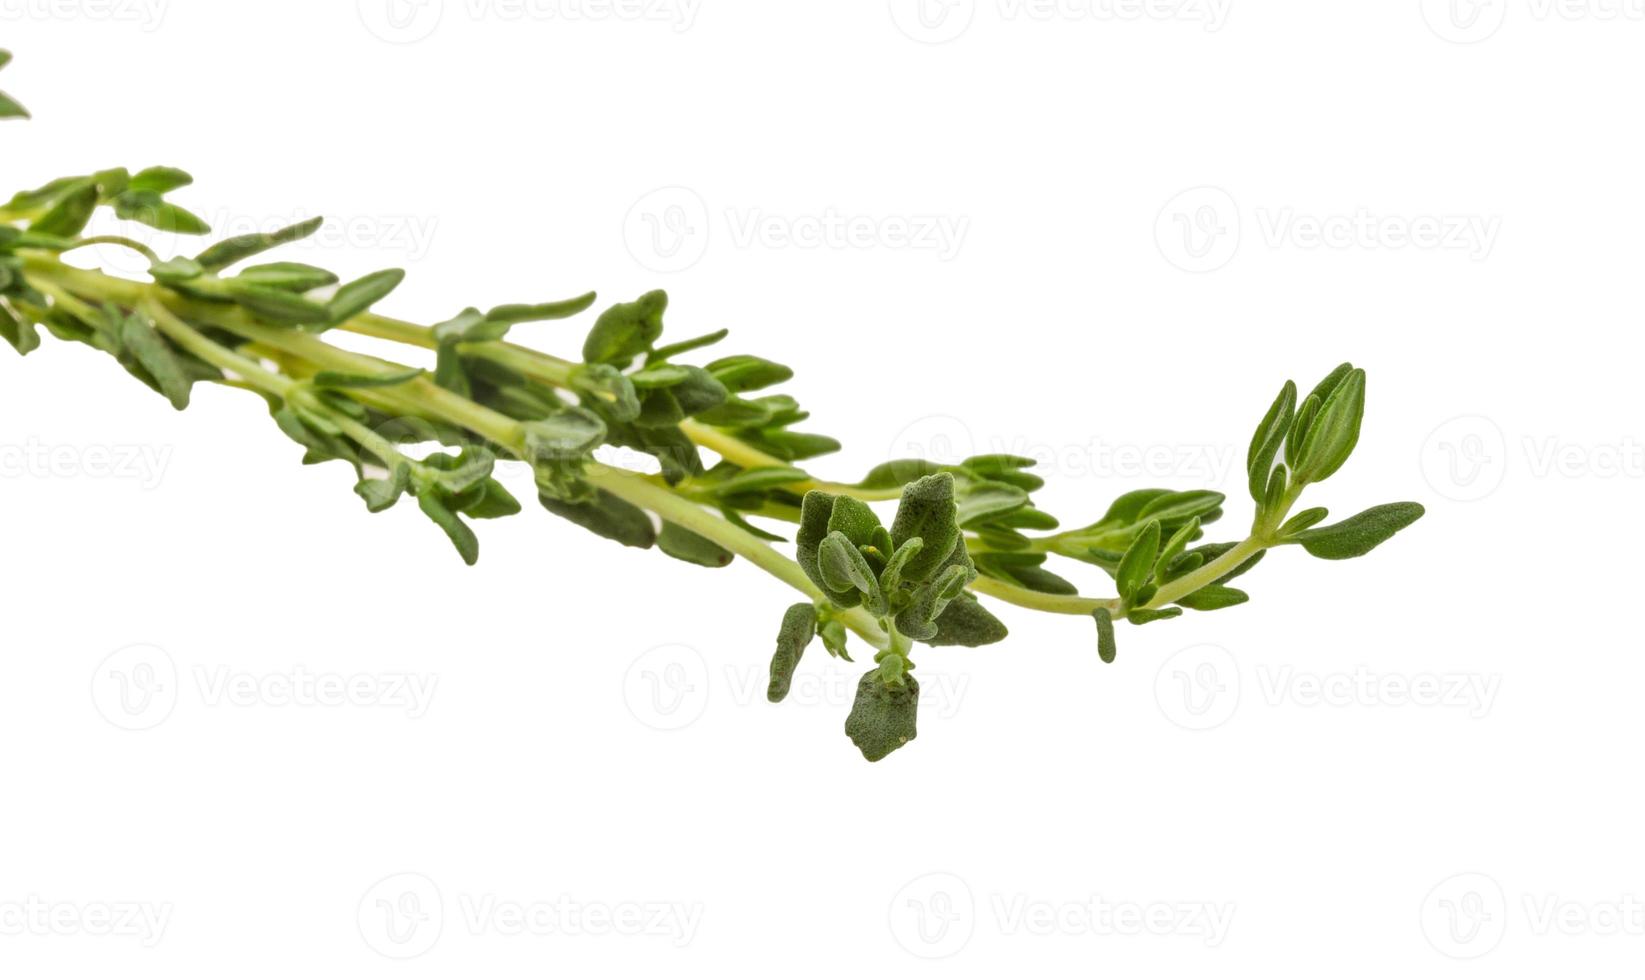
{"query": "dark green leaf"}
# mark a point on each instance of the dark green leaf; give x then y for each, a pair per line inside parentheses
(1359, 534)
(462, 537)
(1138, 562)
(609, 517)
(626, 330)
(1106, 647)
(159, 180)
(965, 623)
(1213, 597)
(685, 346)
(355, 298)
(687, 546)
(1302, 521)
(68, 217)
(927, 512)
(140, 339)
(518, 313)
(882, 719)
(1143, 616)
(744, 372)
(1335, 432)
(231, 250)
(293, 277)
(1265, 443)
(344, 379)
(799, 626)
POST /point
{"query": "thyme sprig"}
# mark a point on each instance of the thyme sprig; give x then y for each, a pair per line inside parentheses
(728, 454)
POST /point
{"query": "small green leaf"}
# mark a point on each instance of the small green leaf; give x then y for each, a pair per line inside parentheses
(744, 372)
(176, 270)
(984, 500)
(159, 180)
(494, 501)
(883, 716)
(609, 517)
(659, 376)
(68, 217)
(147, 207)
(382, 494)
(965, 623)
(1138, 563)
(1335, 431)
(1302, 521)
(626, 330)
(345, 379)
(520, 313)
(687, 546)
(686, 346)
(844, 569)
(275, 305)
(855, 519)
(1213, 597)
(462, 537)
(799, 626)
(758, 480)
(1265, 443)
(355, 298)
(294, 277)
(891, 577)
(1143, 616)
(927, 512)
(145, 344)
(20, 333)
(231, 250)
(1359, 534)
(1106, 647)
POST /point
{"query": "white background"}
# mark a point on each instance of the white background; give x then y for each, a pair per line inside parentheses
(1155, 214)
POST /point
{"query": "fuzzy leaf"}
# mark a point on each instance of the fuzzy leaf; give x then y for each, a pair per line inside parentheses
(1359, 534)
(883, 716)
(799, 626)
